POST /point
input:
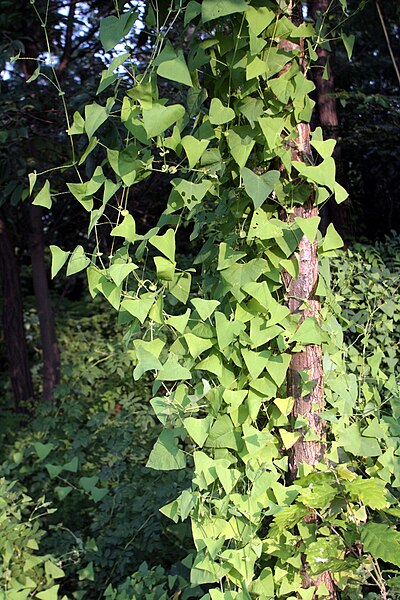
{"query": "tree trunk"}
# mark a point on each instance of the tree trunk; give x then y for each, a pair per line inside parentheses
(13, 321)
(50, 351)
(302, 299)
(338, 214)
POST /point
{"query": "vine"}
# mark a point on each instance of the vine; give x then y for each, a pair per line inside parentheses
(235, 345)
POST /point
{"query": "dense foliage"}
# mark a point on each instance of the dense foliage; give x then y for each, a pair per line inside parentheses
(211, 339)
(105, 431)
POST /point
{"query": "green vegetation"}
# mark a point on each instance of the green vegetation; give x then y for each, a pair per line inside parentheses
(224, 420)
(88, 458)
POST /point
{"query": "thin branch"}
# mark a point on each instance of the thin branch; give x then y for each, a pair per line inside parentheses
(385, 31)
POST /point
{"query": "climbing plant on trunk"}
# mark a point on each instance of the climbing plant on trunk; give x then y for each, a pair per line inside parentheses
(235, 342)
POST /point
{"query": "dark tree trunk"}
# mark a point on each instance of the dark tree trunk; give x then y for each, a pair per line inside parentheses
(338, 214)
(50, 351)
(13, 321)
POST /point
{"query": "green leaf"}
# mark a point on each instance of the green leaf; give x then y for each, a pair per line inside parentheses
(289, 438)
(228, 477)
(234, 398)
(214, 9)
(88, 483)
(256, 362)
(43, 450)
(220, 114)
(240, 146)
(259, 187)
(192, 11)
(255, 68)
(159, 118)
(86, 573)
(222, 434)
(166, 456)
(165, 269)
(108, 76)
(96, 115)
(62, 491)
(238, 275)
(309, 226)
(43, 197)
(32, 180)
(277, 367)
(173, 371)
(110, 291)
(264, 228)
(227, 256)
(332, 240)
(205, 308)
(272, 128)
(172, 65)
(78, 261)
(324, 148)
(381, 541)
(50, 594)
(53, 470)
(113, 29)
(340, 193)
(52, 570)
(78, 125)
(198, 429)
(34, 75)
(348, 42)
(197, 345)
(187, 193)
(58, 259)
(93, 142)
(194, 149)
(147, 361)
(126, 229)
(165, 243)
(180, 287)
(98, 493)
(259, 18)
(227, 330)
(371, 492)
(309, 332)
(179, 322)
(352, 441)
(323, 174)
(120, 271)
(72, 465)
(138, 307)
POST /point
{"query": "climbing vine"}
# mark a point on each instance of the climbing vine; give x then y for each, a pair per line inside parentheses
(225, 338)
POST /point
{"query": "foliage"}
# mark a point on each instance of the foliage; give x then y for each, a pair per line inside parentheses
(23, 573)
(220, 351)
(88, 459)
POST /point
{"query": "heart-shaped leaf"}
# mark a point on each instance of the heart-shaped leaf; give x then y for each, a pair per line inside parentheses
(220, 114)
(113, 29)
(259, 187)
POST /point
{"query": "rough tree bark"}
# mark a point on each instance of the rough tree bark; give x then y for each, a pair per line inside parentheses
(50, 350)
(13, 321)
(302, 298)
(338, 214)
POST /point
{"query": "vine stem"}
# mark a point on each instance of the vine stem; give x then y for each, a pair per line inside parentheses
(389, 45)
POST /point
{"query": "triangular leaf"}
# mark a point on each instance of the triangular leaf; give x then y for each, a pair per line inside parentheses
(58, 259)
(166, 456)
